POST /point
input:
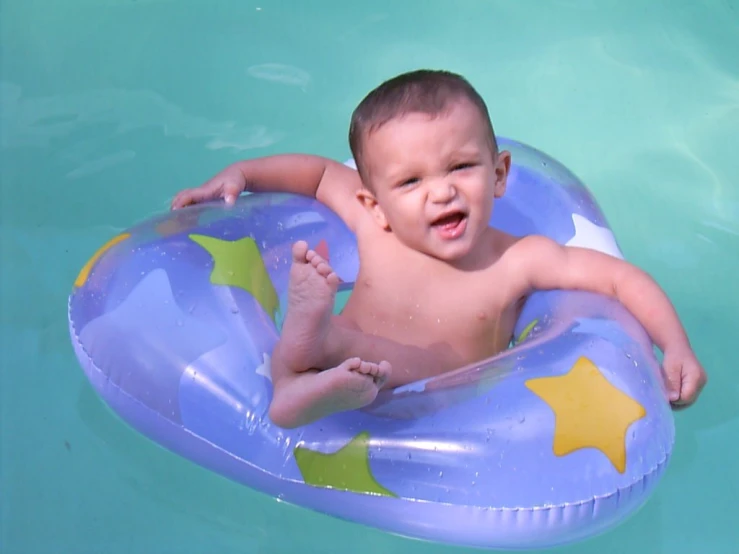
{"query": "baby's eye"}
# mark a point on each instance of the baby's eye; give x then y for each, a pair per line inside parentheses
(409, 181)
(461, 166)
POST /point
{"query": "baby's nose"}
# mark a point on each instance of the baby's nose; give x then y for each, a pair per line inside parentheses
(443, 191)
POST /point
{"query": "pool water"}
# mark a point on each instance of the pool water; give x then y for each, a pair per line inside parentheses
(109, 107)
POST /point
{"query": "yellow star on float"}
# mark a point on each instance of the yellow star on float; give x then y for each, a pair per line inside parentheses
(85, 271)
(589, 411)
(239, 263)
(346, 469)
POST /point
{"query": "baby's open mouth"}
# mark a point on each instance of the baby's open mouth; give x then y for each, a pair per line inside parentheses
(449, 221)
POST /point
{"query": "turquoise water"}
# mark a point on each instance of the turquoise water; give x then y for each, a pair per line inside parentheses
(109, 107)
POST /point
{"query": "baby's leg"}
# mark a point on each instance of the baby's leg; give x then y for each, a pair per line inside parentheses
(409, 363)
(310, 299)
(303, 393)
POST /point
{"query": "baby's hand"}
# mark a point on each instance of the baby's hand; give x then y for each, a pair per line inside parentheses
(685, 376)
(228, 184)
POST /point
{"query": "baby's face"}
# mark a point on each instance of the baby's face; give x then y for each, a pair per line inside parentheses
(434, 179)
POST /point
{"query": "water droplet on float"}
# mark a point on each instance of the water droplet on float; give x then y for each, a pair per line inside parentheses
(234, 309)
(441, 474)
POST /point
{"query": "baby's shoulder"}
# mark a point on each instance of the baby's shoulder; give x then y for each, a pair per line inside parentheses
(338, 189)
(514, 248)
(518, 256)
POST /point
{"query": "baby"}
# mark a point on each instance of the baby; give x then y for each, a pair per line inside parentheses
(437, 288)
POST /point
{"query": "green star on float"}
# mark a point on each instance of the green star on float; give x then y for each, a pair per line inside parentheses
(238, 263)
(346, 469)
(526, 331)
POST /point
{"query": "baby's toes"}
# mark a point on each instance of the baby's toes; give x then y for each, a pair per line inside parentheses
(384, 369)
(300, 251)
(313, 257)
(323, 269)
(367, 368)
(351, 364)
(333, 279)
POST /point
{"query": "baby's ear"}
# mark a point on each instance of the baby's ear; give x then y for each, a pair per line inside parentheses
(502, 167)
(369, 201)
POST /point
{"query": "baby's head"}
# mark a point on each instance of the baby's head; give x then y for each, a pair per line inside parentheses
(429, 92)
(429, 162)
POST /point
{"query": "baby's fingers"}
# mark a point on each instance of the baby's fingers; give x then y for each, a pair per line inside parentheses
(231, 192)
(693, 381)
(674, 381)
(196, 195)
(182, 199)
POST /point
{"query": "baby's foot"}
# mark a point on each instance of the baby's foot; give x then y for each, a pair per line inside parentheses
(353, 384)
(310, 303)
(307, 397)
(380, 373)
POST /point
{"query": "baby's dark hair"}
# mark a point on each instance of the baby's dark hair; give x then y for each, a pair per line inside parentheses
(422, 91)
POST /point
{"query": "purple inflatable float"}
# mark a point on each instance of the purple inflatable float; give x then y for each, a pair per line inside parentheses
(559, 438)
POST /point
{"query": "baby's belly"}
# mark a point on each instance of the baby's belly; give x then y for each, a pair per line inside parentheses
(467, 336)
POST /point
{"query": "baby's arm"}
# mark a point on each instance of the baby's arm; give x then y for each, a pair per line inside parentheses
(548, 265)
(330, 182)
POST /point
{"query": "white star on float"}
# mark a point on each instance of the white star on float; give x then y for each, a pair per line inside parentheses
(590, 235)
(416, 386)
(265, 368)
(148, 318)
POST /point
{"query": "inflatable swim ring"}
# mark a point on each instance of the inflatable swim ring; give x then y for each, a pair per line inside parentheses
(559, 438)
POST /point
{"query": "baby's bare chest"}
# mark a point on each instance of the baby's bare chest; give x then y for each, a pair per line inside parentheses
(465, 311)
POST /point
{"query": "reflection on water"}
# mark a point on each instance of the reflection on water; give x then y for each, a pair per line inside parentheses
(281, 73)
(35, 121)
